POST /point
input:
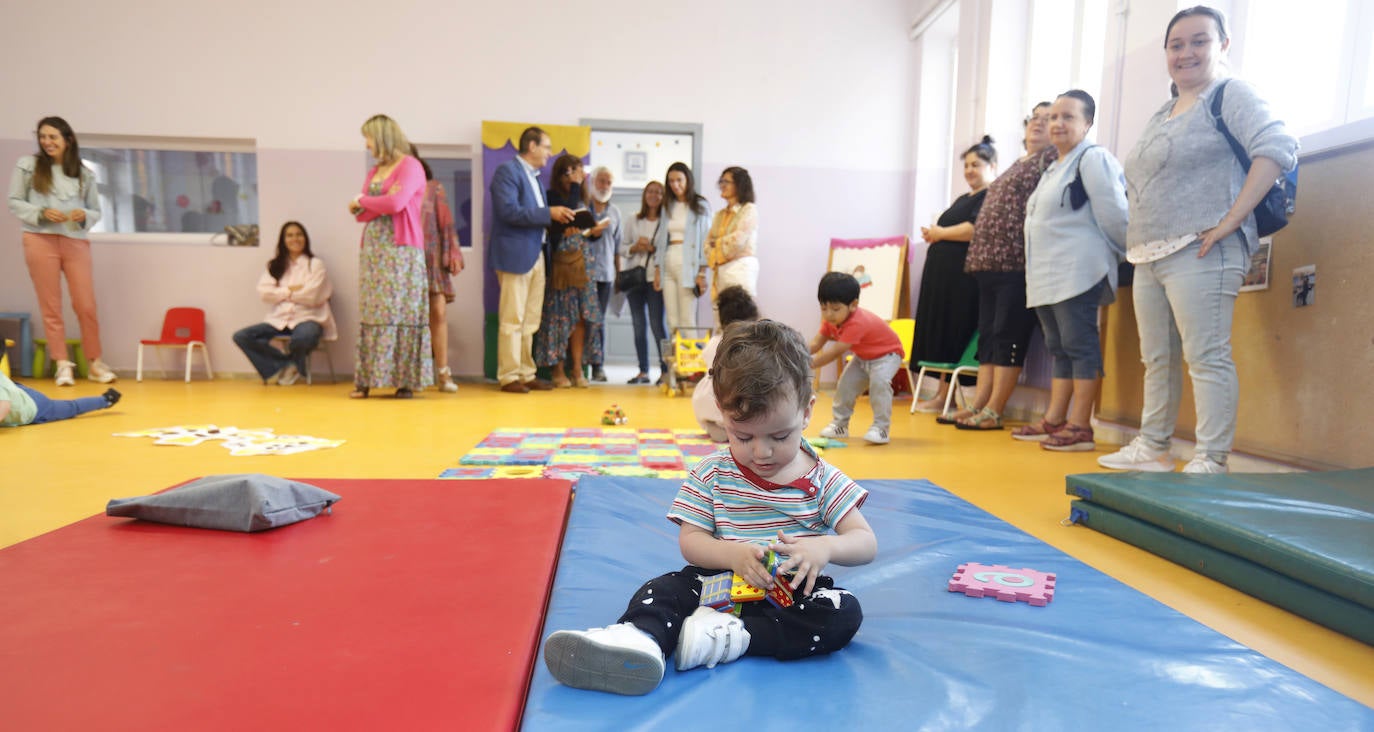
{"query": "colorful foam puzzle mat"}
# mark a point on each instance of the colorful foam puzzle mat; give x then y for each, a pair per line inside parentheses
(408, 607)
(1100, 656)
(570, 454)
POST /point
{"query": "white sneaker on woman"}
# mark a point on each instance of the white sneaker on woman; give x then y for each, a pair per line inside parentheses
(446, 384)
(100, 373)
(65, 369)
(1139, 456)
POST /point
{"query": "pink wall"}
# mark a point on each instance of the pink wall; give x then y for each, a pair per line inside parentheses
(815, 98)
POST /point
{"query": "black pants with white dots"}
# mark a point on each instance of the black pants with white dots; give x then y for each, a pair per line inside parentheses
(819, 623)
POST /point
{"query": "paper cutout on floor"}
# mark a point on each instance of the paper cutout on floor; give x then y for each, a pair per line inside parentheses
(239, 442)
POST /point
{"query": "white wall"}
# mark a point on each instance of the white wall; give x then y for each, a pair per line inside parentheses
(815, 98)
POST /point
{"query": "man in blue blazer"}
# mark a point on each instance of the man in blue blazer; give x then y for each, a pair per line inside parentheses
(520, 217)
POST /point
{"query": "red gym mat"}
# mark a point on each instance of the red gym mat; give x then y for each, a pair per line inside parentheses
(416, 605)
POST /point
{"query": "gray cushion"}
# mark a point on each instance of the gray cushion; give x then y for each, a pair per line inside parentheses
(247, 502)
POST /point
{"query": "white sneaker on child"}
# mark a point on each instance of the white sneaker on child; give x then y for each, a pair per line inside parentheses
(709, 637)
(1139, 456)
(835, 430)
(876, 435)
(621, 659)
(65, 369)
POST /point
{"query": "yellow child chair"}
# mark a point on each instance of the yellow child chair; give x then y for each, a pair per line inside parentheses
(4, 357)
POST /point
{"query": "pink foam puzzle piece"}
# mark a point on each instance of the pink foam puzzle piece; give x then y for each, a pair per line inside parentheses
(1004, 583)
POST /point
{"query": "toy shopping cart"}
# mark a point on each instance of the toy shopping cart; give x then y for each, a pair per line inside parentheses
(683, 354)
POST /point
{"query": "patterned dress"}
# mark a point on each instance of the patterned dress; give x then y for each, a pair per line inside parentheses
(394, 346)
(441, 241)
(563, 308)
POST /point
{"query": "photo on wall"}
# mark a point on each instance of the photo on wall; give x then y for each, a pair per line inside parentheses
(1304, 285)
(1257, 278)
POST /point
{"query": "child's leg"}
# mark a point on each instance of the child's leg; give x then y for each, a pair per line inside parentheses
(662, 603)
(52, 410)
(820, 623)
(852, 383)
(880, 373)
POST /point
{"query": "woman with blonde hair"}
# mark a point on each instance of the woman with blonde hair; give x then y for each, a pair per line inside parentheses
(394, 343)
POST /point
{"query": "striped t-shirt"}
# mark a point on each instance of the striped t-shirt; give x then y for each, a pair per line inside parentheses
(719, 497)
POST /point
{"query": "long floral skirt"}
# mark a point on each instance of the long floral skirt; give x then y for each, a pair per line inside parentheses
(563, 308)
(394, 346)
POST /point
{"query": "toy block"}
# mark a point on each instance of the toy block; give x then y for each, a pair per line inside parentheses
(1004, 583)
(715, 591)
(741, 591)
(780, 594)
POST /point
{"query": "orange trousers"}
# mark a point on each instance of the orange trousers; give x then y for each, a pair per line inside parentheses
(50, 256)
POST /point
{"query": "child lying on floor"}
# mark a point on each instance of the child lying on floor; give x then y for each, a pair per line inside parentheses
(20, 405)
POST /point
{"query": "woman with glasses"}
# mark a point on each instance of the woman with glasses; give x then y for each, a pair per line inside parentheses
(997, 261)
(731, 244)
(1075, 236)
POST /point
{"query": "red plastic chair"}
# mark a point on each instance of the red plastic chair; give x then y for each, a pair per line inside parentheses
(181, 328)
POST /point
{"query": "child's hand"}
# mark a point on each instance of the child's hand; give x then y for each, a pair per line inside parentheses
(806, 556)
(748, 563)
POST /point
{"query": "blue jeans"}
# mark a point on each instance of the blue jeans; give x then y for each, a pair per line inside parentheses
(875, 375)
(52, 410)
(1183, 308)
(603, 296)
(646, 309)
(256, 343)
(1071, 337)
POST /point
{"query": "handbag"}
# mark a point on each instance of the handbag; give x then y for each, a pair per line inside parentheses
(627, 280)
(1272, 213)
(569, 269)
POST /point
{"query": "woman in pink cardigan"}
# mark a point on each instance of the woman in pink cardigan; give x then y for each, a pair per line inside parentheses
(394, 344)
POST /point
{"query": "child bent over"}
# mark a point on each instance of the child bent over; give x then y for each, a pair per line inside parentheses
(878, 356)
(20, 405)
(768, 491)
(734, 305)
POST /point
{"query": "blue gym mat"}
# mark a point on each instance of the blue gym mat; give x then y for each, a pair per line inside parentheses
(1099, 655)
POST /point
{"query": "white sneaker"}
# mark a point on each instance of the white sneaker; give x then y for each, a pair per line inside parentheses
(876, 435)
(1139, 456)
(288, 375)
(65, 371)
(835, 430)
(1204, 464)
(99, 372)
(710, 637)
(621, 659)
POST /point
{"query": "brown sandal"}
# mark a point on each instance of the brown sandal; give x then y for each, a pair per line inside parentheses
(1038, 432)
(359, 392)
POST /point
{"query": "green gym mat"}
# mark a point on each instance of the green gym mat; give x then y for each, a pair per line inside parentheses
(1317, 528)
(1292, 595)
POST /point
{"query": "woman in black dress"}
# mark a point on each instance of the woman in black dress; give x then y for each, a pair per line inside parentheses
(947, 307)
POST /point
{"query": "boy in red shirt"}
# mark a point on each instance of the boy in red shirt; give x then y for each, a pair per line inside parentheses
(878, 355)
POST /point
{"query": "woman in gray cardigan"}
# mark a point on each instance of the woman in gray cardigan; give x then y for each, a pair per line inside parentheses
(1190, 236)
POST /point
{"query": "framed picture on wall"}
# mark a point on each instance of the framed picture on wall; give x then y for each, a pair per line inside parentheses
(1258, 276)
(636, 164)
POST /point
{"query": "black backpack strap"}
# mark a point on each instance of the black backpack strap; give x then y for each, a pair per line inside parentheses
(1231, 140)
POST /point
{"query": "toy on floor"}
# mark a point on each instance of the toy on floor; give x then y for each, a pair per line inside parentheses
(682, 352)
(1004, 583)
(825, 443)
(614, 415)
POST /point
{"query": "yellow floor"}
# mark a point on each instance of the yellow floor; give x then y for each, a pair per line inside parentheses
(59, 473)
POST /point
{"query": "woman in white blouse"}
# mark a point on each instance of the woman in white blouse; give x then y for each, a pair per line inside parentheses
(296, 285)
(731, 247)
(680, 248)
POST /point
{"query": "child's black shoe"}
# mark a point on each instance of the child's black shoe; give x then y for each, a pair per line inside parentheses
(111, 397)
